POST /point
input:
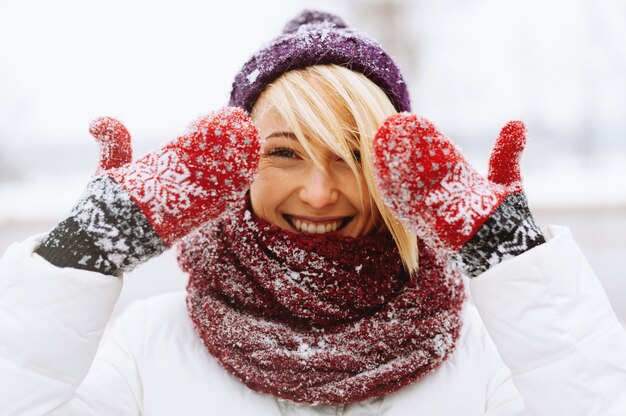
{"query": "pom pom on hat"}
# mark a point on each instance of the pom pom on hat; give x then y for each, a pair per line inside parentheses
(318, 38)
(313, 17)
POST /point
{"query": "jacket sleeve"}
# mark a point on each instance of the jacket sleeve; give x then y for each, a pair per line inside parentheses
(51, 322)
(555, 330)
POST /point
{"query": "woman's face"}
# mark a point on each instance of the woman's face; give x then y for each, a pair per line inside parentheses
(291, 192)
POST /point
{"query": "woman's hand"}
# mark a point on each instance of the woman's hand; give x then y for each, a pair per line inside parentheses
(433, 191)
(133, 211)
(192, 179)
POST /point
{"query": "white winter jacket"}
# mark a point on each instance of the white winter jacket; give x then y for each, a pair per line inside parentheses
(540, 340)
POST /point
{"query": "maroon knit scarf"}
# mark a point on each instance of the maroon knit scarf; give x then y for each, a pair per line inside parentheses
(317, 318)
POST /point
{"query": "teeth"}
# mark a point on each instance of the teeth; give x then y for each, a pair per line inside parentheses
(307, 227)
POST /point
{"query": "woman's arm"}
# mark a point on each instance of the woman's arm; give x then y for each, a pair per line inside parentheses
(543, 306)
(51, 322)
(57, 292)
(554, 328)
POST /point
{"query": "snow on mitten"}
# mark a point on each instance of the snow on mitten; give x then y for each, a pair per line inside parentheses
(430, 187)
(132, 212)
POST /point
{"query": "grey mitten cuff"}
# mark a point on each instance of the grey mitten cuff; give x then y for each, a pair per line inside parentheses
(510, 231)
(105, 233)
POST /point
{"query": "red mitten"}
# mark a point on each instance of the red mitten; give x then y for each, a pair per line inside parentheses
(430, 187)
(191, 179)
(428, 184)
(134, 211)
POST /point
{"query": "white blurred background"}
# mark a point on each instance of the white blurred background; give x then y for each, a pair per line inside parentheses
(471, 65)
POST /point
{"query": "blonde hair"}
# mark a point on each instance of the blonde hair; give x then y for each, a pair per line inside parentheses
(341, 110)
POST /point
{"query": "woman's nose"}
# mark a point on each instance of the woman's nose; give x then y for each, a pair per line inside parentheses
(319, 188)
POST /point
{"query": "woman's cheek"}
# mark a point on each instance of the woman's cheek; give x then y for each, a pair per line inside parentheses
(271, 183)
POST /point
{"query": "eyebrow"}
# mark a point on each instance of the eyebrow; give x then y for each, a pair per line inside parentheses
(285, 134)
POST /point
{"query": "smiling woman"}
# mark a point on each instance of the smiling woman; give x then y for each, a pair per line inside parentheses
(316, 173)
(305, 294)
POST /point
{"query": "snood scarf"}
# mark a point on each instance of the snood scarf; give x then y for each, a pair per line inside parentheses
(317, 318)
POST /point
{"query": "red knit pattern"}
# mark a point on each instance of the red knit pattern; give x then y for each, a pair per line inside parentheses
(428, 184)
(192, 179)
(317, 318)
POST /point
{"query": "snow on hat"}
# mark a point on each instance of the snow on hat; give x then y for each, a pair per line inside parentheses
(318, 38)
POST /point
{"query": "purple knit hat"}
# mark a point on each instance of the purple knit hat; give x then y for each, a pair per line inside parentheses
(317, 38)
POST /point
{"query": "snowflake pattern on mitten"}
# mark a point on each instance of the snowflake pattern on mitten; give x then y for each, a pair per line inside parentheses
(430, 187)
(461, 197)
(163, 174)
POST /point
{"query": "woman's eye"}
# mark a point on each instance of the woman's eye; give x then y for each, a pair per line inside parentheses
(284, 152)
(356, 155)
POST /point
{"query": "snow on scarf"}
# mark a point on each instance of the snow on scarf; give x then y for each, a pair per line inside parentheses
(317, 318)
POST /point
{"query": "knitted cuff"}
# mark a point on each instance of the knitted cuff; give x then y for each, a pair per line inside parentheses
(509, 232)
(105, 233)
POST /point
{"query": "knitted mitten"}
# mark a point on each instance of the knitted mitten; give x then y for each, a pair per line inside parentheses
(133, 211)
(430, 187)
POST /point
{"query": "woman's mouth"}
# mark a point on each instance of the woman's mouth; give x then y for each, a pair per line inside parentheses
(321, 226)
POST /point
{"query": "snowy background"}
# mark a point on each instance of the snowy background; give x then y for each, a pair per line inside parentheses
(471, 65)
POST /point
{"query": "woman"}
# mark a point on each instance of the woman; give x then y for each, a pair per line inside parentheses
(306, 294)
